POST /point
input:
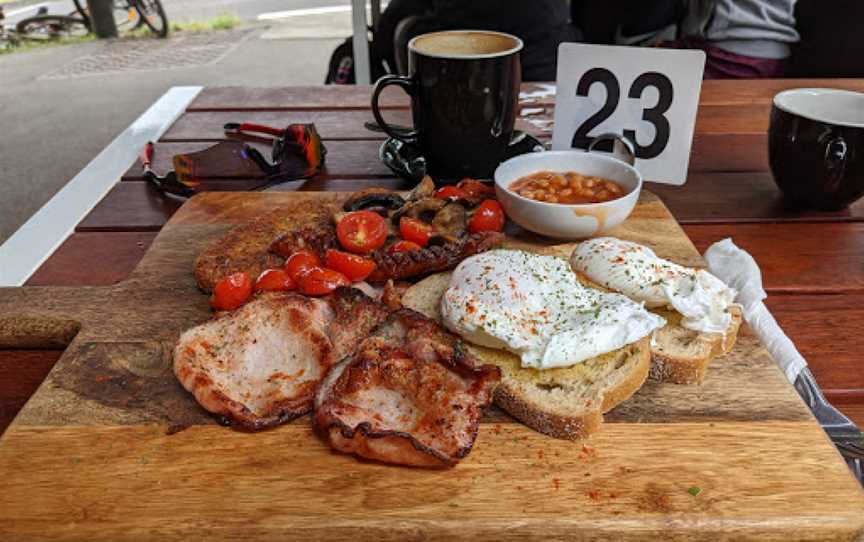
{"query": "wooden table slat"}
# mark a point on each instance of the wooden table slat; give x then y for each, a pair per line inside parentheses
(21, 372)
(834, 357)
(714, 92)
(348, 124)
(815, 258)
(359, 158)
(93, 259)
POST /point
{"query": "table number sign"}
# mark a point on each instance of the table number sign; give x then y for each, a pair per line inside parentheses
(649, 95)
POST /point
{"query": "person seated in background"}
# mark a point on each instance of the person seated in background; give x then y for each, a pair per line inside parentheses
(541, 24)
(741, 38)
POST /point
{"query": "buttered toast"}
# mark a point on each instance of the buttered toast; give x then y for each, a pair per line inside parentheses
(566, 402)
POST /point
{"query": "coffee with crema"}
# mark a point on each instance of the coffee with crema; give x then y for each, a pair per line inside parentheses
(461, 44)
(464, 86)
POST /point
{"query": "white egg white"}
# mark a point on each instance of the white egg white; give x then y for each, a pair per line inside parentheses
(535, 307)
(637, 272)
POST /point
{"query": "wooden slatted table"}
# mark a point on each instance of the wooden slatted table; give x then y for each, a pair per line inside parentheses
(812, 263)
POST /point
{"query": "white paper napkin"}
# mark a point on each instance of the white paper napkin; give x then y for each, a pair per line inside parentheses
(739, 270)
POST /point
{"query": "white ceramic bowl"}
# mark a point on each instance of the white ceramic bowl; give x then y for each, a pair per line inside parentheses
(563, 221)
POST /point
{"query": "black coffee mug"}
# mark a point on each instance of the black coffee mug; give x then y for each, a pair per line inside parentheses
(464, 88)
(816, 146)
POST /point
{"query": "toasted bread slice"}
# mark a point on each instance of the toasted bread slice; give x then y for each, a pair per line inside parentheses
(568, 402)
(681, 356)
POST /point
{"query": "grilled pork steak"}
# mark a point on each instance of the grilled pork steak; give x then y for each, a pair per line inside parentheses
(259, 365)
(248, 247)
(409, 395)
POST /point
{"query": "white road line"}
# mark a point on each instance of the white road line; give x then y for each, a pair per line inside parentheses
(25, 9)
(302, 12)
(39, 237)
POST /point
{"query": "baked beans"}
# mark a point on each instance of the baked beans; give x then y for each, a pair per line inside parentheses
(567, 188)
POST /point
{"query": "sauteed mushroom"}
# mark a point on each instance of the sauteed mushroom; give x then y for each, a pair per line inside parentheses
(424, 209)
(424, 189)
(452, 220)
(374, 199)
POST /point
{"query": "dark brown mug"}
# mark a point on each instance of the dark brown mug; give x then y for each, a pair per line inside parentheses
(816, 146)
(464, 88)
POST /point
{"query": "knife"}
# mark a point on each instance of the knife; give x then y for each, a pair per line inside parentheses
(739, 270)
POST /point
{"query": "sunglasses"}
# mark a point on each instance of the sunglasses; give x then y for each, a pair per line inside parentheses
(297, 153)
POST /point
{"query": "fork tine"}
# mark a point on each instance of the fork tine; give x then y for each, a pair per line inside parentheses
(857, 468)
(850, 450)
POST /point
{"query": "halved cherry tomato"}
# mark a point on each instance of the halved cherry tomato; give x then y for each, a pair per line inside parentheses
(300, 262)
(489, 216)
(362, 232)
(320, 281)
(231, 292)
(450, 192)
(415, 230)
(403, 246)
(351, 265)
(475, 188)
(275, 280)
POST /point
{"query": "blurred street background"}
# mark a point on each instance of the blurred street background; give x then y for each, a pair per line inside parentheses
(61, 105)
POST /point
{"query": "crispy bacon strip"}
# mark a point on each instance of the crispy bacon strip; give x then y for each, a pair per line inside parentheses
(259, 366)
(431, 259)
(409, 395)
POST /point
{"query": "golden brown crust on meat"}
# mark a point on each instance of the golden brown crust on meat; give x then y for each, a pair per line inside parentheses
(410, 395)
(247, 247)
(259, 366)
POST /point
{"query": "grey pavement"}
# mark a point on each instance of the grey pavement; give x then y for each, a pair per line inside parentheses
(55, 119)
(182, 10)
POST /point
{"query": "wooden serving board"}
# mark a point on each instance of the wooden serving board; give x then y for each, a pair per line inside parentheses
(112, 448)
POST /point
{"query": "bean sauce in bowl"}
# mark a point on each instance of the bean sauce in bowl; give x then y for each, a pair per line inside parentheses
(568, 188)
(567, 194)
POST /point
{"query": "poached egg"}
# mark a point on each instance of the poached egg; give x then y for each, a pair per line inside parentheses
(637, 272)
(535, 307)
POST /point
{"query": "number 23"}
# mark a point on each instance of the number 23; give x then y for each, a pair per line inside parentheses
(654, 115)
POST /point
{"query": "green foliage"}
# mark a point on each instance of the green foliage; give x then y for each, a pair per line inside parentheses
(35, 45)
(223, 21)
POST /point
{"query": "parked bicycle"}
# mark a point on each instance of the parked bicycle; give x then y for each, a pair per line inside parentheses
(133, 14)
(128, 15)
(41, 27)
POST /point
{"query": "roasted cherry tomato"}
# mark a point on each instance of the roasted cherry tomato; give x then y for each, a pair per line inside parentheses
(351, 265)
(475, 188)
(450, 192)
(489, 216)
(362, 232)
(300, 262)
(275, 280)
(415, 230)
(231, 292)
(320, 281)
(403, 246)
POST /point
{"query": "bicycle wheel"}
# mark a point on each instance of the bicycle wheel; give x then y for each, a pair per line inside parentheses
(8, 40)
(46, 27)
(81, 8)
(153, 15)
(126, 15)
